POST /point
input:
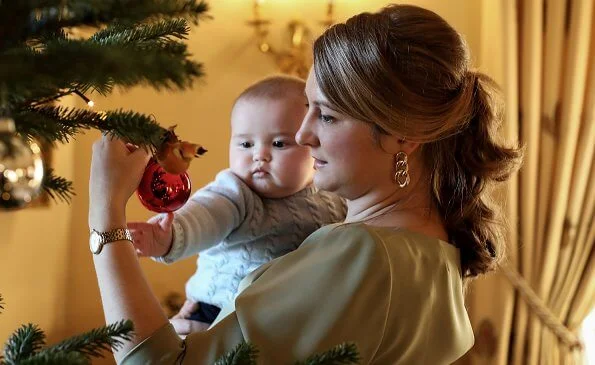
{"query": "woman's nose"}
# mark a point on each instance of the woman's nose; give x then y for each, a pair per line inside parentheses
(306, 136)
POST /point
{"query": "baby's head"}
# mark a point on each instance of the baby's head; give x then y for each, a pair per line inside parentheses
(263, 151)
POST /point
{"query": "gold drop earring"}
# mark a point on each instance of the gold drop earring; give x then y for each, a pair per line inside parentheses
(401, 170)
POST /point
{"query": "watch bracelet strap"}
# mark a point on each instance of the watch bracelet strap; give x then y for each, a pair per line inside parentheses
(118, 234)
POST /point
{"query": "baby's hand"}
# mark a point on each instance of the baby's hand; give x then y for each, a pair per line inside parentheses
(187, 309)
(153, 238)
(185, 327)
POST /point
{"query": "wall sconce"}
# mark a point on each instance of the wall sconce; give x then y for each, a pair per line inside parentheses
(297, 59)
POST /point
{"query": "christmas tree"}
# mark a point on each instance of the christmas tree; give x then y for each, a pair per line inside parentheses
(137, 42)
(42, 59)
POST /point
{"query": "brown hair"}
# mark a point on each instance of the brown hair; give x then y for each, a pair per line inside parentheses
(273, 87)
(407, 72)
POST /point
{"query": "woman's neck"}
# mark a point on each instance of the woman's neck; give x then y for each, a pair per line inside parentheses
(414, 211)
(368, 208)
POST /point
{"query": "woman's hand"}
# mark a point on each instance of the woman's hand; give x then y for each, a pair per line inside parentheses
(116, 170)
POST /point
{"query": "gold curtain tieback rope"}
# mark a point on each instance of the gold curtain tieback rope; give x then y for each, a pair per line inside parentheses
(538, 307)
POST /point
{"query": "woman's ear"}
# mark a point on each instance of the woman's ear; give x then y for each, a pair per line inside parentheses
(394, 144)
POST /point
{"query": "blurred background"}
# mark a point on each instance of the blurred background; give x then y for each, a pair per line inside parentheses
(542, 57)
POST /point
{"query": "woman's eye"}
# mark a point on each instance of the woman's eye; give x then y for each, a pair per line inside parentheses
(279, 144)
(246, 144)
(326, 118)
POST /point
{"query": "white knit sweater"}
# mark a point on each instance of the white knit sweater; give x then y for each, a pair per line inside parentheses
(235, 231)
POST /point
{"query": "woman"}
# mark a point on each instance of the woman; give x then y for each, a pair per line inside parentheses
(403, 129)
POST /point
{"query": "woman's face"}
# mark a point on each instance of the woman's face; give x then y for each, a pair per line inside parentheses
(348, 160)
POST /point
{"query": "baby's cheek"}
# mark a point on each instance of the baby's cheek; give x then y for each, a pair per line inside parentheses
(240, 170)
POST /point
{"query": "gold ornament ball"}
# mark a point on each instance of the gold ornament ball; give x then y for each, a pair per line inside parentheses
(21, 171)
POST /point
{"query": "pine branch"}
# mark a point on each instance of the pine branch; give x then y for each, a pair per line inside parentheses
(134, 11)
(23, 343)
(45, 99)
(69, 64)
(57, 123)
(147, 38)
(24, 347)
(57, 187)
(34, 19)
(243, 354)
(39, 41)
(345, 353)
(52, 124)
(119, 34)
(133, 127)
(94, 342)
(182, 74)
(60, 358)
(142, 45)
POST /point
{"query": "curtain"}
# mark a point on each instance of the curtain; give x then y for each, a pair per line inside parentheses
(530, 311)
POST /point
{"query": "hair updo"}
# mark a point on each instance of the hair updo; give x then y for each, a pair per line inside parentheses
(406, 71)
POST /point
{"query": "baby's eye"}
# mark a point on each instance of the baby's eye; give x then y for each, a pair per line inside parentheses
(278, 144)
(246, 144)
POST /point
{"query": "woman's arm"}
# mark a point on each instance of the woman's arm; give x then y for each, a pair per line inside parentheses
(125, 293)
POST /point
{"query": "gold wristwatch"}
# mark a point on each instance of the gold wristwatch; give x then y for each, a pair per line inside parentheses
(99, 239)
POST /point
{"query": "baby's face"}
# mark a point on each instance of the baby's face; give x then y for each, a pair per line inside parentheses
(263, 151)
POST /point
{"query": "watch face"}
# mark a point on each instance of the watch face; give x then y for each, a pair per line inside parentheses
(95, 242)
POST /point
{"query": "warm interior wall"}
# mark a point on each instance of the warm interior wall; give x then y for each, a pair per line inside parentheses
(47, 270)
(34, 255)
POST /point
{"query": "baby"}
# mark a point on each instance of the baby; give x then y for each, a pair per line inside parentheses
(261, 208)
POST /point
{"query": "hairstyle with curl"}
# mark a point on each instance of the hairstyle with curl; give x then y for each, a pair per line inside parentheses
(406, 71)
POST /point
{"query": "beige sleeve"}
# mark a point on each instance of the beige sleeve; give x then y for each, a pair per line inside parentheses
(166, 347)
(335, 288)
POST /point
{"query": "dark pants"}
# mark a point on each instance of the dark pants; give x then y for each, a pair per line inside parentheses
(205, 313)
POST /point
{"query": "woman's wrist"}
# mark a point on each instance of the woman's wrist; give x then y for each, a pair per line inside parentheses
(105, 218)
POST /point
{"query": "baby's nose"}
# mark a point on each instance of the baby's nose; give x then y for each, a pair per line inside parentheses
(262, 154)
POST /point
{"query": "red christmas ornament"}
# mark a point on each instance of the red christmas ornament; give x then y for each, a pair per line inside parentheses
(160, 191)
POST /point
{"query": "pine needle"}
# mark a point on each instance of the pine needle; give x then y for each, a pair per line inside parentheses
(61, 358)
(345, 353)
(243, 354)
(96, 341)
(23, 343)
(57, 187)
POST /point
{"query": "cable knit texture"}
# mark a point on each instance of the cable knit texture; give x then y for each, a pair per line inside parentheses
(235, 231)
